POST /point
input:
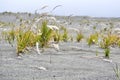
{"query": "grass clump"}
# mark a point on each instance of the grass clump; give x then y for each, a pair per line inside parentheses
(46, 35)
(79, 36)
(107, 41)
(25, 39)
(107, 53)
(65, 37)
(92, 39)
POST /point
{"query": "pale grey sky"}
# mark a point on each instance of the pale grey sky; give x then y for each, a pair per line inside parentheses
(99, 8)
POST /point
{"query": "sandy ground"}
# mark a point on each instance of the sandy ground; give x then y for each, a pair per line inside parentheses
(71, 63)
(74, 61)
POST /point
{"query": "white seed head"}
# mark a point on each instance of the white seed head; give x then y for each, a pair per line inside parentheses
(53, 27)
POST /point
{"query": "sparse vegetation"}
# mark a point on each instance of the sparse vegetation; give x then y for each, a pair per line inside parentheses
(75, 40)
(24, 35)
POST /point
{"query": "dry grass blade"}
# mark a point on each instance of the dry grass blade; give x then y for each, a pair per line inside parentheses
(44, 7)
(117, 72)
(55, 7)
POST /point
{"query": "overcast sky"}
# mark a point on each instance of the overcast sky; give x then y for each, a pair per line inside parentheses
(97, 8)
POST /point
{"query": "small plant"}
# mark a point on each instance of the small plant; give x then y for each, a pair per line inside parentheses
(117, 72)
(105, 45)
(79, 36)
(107, 53)
(93, 39)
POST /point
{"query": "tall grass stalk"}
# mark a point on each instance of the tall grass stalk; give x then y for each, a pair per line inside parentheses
(117, 72)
